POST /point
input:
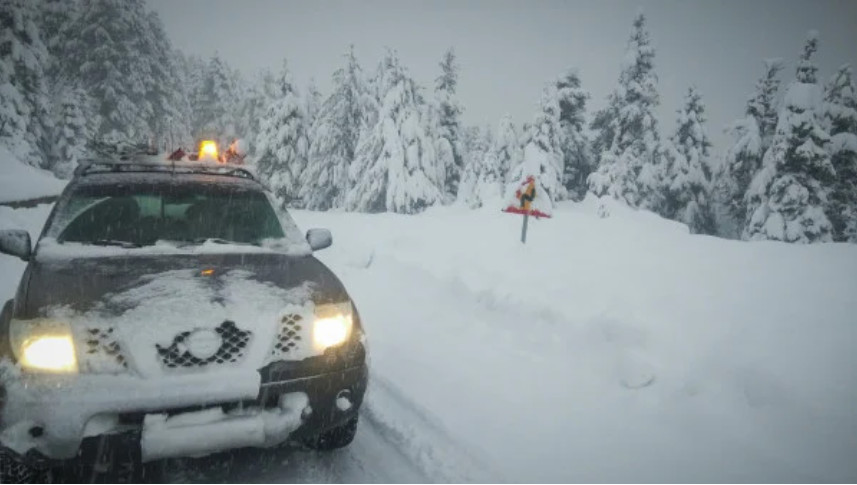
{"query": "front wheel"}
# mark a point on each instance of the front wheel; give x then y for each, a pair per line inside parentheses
(335, 438)
(106, 459)
(13, 469)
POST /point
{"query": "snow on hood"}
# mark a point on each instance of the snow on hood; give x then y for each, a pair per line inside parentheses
(157, 307)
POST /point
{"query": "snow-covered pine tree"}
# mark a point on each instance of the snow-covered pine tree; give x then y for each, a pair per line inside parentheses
(395, 167)
(256, 99)
(282, 142)
(215, 106)
(474, 144)
(340, 121)
(688, 173)
(786, 200)
(118, 53)
(575, 146)
(840, 116)
(471, 141)
(543, 155)
(603, 127)
(630, 169)
(56, 16)
(312, 102)
(164, 94)
(743, 159)
(24, 119)
(449, 119)
(72, 130)
(507, 147)
(482, 179)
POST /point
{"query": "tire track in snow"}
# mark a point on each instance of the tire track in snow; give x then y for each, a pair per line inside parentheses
(420, 437)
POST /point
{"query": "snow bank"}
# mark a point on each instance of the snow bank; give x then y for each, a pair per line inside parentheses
(19, 181)
(614, 346)
(11, 267)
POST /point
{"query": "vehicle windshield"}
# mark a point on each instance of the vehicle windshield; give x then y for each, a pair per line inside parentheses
(141, 215)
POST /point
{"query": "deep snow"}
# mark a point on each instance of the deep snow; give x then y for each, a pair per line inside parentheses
(19, 181)
(605, 350)
(610, 349)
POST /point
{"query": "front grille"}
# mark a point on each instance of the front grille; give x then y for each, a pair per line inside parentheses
(234, 342)
(288, 335)
(101, 351)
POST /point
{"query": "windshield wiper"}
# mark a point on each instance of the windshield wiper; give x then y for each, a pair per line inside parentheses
(114, 242)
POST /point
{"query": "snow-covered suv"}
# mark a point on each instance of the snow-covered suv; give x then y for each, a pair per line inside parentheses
(175, 310)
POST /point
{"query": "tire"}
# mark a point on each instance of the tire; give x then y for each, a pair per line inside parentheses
(106, 460)
(336, 438)
(14, 470)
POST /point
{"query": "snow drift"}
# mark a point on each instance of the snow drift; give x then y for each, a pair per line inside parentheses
(19, 181)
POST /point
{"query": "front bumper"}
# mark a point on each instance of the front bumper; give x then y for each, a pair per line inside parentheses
(53, 414)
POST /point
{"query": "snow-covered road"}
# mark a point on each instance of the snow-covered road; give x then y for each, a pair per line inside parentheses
(606, 350)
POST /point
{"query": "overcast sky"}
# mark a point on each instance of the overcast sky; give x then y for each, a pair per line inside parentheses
(508, 50)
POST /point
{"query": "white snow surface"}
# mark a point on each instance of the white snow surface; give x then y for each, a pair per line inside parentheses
(620, 349)
(606, 349)
(19, 181)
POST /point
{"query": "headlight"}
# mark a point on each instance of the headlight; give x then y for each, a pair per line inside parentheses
(333, 324)
(43, 345)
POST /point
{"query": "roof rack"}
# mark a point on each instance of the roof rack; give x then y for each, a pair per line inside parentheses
(90, 167)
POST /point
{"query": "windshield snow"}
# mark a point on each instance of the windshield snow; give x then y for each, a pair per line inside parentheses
(141, 215)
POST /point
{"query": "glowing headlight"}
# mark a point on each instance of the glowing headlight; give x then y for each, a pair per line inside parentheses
(43, 345)
(332, 326)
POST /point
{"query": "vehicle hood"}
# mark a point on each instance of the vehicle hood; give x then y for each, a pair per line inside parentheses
(113, 285)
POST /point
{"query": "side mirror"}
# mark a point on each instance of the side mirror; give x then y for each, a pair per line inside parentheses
(16, 242)
(319, 239)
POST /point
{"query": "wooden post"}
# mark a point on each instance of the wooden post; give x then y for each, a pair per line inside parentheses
(524, 229)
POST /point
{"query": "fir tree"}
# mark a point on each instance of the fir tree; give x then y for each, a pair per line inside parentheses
(753, 134)
(448, 117)
(688, 176)
(282, 143)
(786, 200)
(169, 109)
(72, 131)
(340, 121)
(216, 104)
(630, 168)
(56, 16)
(543, 155)
(840, 116)
(312, 102)
(572, 108)
(395, 167)
(259, 94)
(603, 126)
(507, 147)
(118, 52)
(482, 178)
(24, 118)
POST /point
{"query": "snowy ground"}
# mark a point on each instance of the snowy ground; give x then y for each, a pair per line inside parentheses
(19, 181)
(605, 350)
